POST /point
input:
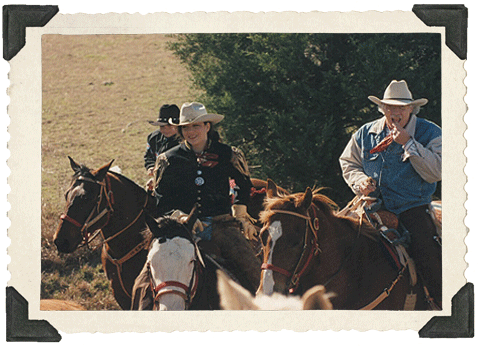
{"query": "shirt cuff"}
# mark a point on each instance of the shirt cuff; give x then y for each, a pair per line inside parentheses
(410, 149)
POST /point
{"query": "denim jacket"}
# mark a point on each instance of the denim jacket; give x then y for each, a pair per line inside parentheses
(406, 175)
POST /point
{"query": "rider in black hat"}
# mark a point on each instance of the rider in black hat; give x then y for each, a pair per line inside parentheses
(161, 140)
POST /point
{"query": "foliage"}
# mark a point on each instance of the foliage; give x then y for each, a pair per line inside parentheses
(292, 101)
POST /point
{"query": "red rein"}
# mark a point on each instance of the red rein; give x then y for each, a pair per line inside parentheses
(72, 221)
(110, 201)
(313, 226)
(268, 266)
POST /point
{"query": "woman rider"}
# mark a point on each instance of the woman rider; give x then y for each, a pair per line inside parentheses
(198, 172)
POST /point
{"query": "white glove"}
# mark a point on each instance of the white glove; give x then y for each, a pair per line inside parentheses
(239, 212)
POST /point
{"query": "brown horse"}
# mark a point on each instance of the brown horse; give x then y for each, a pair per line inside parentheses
(101, 199)
(306, 244)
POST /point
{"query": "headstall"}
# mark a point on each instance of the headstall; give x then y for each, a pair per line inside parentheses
(167, 287)
(310, 248)
(91, 220)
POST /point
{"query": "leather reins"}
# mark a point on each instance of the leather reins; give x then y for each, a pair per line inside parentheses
(310, 248)
(314, 250)
(106, 191)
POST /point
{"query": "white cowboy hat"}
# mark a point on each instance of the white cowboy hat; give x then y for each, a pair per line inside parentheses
(194, 112)
(397, 94)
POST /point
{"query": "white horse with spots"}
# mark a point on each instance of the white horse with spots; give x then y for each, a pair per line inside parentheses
(174, 261)
(172, 266)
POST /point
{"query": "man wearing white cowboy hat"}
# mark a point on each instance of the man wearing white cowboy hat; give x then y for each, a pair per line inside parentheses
(403, 155)
(198, 171)
(161, 140)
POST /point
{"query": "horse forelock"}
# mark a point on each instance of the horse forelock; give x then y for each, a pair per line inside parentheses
(84, 171)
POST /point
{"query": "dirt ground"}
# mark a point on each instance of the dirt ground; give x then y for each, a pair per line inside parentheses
(98, 93)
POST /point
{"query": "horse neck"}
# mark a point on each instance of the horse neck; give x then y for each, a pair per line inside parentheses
(347, 262)
(336, 239)
(128, 204)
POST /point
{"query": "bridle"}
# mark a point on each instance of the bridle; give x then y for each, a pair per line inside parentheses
(310, 248)
(107, 194)
(167, 287)
(95, 214)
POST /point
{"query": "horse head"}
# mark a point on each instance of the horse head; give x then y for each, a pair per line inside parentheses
(84, 201)
(289, 238)
(174, 260)
(235, 297)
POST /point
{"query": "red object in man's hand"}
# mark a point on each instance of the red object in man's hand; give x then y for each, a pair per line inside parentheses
(383, 144)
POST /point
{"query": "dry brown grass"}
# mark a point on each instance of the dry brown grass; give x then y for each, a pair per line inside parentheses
(98, 93)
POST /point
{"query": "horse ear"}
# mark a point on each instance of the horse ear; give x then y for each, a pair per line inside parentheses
(232, 295)
(306, 200)
(152, 225)
(192, 217)
(100, 173)
(316, 298)
(271, 189)
(75, 166)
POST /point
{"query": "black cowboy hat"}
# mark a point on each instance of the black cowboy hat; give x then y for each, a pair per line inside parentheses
(166, 112)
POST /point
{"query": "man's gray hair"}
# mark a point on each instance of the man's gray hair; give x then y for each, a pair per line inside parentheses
(415, 110)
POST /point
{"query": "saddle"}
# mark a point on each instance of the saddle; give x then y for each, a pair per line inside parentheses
(393, 238)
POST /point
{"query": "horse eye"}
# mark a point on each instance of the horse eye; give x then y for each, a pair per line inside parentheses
(294, 240)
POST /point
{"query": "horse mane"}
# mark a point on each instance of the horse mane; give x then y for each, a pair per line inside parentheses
(291, 202)
(286, 201)
(84, 171)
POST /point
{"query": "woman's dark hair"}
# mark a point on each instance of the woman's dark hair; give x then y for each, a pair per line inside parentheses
(213, 135)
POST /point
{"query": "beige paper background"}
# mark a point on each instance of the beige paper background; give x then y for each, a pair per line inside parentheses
(25, 166)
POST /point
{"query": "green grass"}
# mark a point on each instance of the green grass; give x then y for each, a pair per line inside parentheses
(98, 93)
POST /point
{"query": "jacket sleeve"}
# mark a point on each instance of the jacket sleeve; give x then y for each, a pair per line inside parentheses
(240, 173)
(427, 161)
(149, 156)
(351, 164)
(162, 184)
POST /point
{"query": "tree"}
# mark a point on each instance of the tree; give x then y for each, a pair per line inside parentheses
(292, 101)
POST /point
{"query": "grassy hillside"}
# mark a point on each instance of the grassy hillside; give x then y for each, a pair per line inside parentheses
(98, 93)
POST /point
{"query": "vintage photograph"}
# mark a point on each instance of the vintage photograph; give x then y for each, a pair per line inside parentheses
(206, 120)
(296, 175)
